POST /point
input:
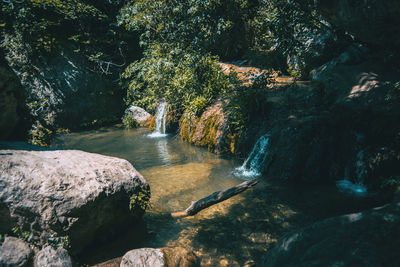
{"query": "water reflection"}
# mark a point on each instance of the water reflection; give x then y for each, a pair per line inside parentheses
(163, 150)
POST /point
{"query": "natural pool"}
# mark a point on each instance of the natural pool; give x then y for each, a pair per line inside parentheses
(236, 232)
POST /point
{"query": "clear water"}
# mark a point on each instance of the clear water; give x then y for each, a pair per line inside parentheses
(235, 232)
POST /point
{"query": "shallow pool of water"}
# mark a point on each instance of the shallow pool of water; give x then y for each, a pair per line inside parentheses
(236, 232)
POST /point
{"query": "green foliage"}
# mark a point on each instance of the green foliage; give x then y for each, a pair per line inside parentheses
(209, 26)
(140, 200)
(40, 27)
(40, 135)
(188, 81)
(53, 240)
(58, 241)
(27, 236)
(246, 103)
(128, 120)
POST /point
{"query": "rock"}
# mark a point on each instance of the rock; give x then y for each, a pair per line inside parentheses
(14, 252)
(72, 193)
(208, 130)
(49, 256)
(369, 238)
(370, 21)
(11, 101)
(179, 257)
(145, 257)
(139, 115)
(314, 47)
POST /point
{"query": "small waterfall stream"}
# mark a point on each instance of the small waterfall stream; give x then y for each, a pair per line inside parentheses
(160, 120)
(358, 188)
(252, 165)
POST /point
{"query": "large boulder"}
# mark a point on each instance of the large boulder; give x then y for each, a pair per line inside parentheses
(81, 195)
(369, 238)
(49, 256)
(14, 252)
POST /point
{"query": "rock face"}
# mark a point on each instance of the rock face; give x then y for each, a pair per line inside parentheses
(14, 252)
(11, 100)
(146, 257)
(63, 92)
(369, 238)
(139, 115)
(49, 256)
(315, 47)
(70, 193)
(370, 21)
(208, 130)
(352, 113)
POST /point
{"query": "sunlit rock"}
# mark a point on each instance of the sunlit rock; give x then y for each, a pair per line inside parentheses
(139, 115)
(72, 193)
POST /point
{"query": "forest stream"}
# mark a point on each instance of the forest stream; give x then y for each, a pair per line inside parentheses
(236, 232)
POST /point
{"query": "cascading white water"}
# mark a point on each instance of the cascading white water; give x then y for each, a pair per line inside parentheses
(252, 165)
(161, 116)
(358, 188)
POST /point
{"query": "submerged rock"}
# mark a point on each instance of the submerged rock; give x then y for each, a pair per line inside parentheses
(145, 257)
(138, 115)
(179, 257)
(72, 193)
(49, 256)
(14, 252)
(369, 238)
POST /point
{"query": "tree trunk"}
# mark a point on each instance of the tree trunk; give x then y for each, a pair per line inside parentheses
(214, 198)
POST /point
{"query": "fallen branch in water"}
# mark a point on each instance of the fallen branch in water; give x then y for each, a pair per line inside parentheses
(214, 198)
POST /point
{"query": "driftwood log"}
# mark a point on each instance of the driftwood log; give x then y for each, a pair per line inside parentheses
(214, 198)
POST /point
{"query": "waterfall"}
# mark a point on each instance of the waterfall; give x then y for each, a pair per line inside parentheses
(252, 165)
(358, 188)
(161, 115)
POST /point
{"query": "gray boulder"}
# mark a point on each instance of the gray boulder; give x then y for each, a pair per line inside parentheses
(72, 193)
(144, 257)
(49, 256)
(14, 252)
(138, 115)
(369, 238)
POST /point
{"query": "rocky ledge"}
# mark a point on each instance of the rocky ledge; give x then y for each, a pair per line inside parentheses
(68, 193)
(369, 238)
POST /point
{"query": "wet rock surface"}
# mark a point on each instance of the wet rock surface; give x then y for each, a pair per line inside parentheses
(14, 252)
(72, 193)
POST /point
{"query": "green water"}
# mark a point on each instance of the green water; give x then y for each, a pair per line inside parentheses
(236, 232)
